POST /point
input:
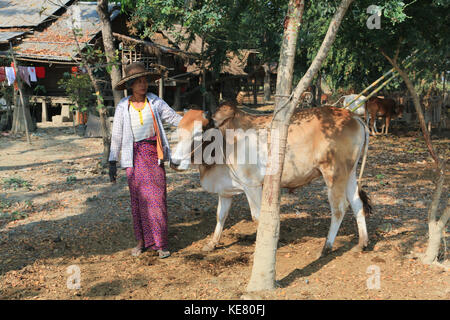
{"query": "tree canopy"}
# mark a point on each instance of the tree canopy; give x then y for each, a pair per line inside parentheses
(355, 59)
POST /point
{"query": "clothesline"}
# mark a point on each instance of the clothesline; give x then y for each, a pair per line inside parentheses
(27, 74)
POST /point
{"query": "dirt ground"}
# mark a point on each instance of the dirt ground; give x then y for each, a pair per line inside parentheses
(60, 214)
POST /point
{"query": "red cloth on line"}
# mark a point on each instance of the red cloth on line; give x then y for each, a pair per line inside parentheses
(2, 74)
(12, 65)
(40, 72)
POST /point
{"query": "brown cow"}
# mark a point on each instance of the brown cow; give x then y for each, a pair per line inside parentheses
(384, 108)
(324, 141)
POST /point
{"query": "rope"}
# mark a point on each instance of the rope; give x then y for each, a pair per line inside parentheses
(282, 95)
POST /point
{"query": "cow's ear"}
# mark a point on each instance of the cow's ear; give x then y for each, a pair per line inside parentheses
(223, 113)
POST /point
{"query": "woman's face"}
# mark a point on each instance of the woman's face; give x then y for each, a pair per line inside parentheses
(140, 86)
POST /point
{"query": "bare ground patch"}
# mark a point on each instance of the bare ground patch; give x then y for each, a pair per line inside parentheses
(69, 214)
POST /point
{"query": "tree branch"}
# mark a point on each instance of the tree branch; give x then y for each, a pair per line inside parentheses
(327, 43)
(418, 108)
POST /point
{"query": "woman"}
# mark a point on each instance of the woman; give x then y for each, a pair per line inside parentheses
(138, 135)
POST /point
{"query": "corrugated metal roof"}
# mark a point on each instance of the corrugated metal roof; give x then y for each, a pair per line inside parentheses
(57, 40)
(58, 51)
(28, 13)
(5, 36)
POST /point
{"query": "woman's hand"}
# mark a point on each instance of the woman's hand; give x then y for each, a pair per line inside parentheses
(112, 171)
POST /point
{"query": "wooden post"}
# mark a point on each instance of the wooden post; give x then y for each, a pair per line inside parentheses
(44, 111)
(19, 86)
(255, 91)
(177, 102)
(123, 72)
(266, 83)
(161, 80)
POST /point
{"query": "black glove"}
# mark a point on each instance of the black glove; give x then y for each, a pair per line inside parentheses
(112, 171)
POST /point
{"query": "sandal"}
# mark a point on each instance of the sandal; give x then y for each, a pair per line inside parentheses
(136, 251)
(163, 254)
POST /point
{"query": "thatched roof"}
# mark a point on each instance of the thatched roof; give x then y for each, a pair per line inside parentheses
(182, 39)
(178, 42)
(235, 66)
(179, 37)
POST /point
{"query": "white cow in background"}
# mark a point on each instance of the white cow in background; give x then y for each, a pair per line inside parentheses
(349, 98)
(361, 111)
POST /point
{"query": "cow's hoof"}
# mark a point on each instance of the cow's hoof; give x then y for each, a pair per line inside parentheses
(325, 251)
(359, 248)
(209, 247)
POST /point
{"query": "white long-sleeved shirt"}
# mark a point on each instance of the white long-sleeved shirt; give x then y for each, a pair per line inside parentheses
(122, 135)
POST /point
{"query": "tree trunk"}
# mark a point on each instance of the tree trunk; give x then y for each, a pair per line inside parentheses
(442, 109)
(319, 89)
(264, 271)
(103, 117)
(110, 49)
(434, 240)
(264, 264)
(435, 227)
(203, 76)
(100, 106)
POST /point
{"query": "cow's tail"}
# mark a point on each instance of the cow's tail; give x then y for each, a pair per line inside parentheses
(366, 148)
(367, 207)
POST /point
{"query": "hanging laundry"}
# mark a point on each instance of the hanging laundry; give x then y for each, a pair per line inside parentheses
(32, 72)
(10, 75)
(2, 74)
(40, 72)
(24, 75)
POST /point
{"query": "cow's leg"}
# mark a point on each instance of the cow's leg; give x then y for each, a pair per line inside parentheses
(223, 208)
(338, 203)
(372, 127)
(375, 127)
(357, 207)
(254, 201)
(388, 121)
(372, 124)
(383, 126)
